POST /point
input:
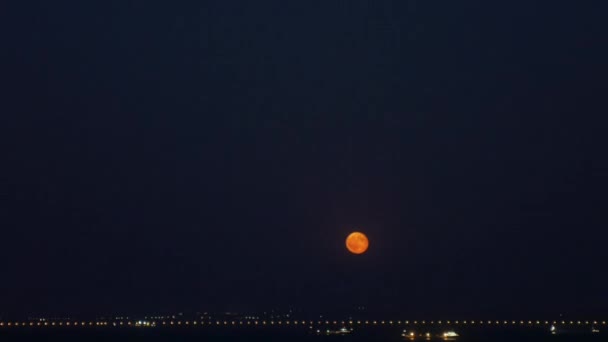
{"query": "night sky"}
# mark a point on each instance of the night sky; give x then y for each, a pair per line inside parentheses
(159, 156)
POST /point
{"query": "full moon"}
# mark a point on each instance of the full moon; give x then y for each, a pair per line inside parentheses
(357, 243)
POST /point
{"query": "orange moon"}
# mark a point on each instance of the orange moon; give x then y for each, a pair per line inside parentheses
(357, 243)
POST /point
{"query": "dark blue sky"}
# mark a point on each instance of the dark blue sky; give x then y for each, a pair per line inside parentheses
(214, 156)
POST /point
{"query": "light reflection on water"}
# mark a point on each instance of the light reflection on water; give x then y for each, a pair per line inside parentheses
(380, 335)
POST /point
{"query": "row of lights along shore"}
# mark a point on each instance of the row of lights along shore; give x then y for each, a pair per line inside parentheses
(266, 323)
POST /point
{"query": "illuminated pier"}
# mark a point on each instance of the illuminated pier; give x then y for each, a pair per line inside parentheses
(289, 323)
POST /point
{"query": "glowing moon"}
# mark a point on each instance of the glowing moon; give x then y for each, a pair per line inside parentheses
(357, 243)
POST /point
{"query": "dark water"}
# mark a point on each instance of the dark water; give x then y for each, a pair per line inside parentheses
(385, 334)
